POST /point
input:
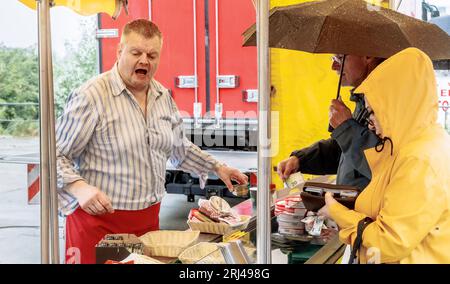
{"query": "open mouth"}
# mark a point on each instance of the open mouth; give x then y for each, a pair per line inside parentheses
(141, 71)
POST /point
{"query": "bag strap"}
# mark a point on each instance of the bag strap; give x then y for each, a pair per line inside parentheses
(362, 224)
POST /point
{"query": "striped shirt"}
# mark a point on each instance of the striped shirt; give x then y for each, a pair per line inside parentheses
(103, 138)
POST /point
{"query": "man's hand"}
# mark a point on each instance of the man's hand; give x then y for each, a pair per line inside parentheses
(227, 174)
(286, 167)
(329, 200)
(339, 113)
(90, 198)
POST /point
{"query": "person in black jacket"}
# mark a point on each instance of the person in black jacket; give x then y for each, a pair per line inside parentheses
(342, 154)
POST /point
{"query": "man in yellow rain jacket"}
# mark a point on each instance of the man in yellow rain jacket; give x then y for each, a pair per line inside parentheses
(408, 198)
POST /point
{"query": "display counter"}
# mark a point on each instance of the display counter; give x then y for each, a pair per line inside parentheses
(308, 250)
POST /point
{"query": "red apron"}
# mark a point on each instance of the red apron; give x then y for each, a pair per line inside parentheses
(84, 231)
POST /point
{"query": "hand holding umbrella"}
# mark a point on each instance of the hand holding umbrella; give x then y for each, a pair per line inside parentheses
(339, 113)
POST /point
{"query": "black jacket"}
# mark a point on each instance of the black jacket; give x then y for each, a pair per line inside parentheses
(342, 154)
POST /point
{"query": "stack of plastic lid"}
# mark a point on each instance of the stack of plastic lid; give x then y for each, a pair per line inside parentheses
(290, 212)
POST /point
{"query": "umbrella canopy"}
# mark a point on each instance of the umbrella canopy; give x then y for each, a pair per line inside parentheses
(86, 7)
(350, 27)
(443, 22)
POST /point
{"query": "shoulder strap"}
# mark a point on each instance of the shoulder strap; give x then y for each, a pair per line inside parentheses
(362, 224)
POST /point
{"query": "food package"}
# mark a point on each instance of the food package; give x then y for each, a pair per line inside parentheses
(116, 247)
(290, 211)
(219, 228)
(215, 216)
(314, 225)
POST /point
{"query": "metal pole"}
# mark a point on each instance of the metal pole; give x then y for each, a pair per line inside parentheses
(150, 15)
(263, 228)
(99, 49)
(194, 11)
(218, 108)
(217, 50)
(54, 222)
(207, 59)
(197, 107)
(43, 11)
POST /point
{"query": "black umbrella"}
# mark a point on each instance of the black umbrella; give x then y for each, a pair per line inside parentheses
(444, 23)
(350, 27)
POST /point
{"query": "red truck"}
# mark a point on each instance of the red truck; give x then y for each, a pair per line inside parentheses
(212, 78)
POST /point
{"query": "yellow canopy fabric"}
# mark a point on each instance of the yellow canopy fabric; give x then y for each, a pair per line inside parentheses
(85, 7)
(305, 86)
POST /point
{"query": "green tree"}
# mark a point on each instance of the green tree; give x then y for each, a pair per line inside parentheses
(19, 80)
(78, 66)
(18, 84)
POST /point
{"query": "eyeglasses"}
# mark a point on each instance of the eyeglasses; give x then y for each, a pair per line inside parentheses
(367, 117)
(363, 117)
(338, 58)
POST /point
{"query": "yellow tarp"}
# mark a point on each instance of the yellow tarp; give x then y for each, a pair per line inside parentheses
(305, 87)
(84, 7)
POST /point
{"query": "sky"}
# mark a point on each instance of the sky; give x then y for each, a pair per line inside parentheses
(18, 26)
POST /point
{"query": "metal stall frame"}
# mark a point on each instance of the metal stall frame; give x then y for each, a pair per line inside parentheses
(263, 228)
(49, 201)
(49, 207)
(48, 175)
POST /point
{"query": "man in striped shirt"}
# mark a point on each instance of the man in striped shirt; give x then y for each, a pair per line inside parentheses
(113, 141)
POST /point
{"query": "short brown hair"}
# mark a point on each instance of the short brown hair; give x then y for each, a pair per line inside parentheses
(143, 27)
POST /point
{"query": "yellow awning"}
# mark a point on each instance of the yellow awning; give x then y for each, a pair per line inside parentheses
(85, 7)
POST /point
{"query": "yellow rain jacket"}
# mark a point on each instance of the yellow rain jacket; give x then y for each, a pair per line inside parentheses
(409, 194)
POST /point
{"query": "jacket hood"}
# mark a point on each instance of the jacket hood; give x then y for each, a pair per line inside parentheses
(402, 94)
